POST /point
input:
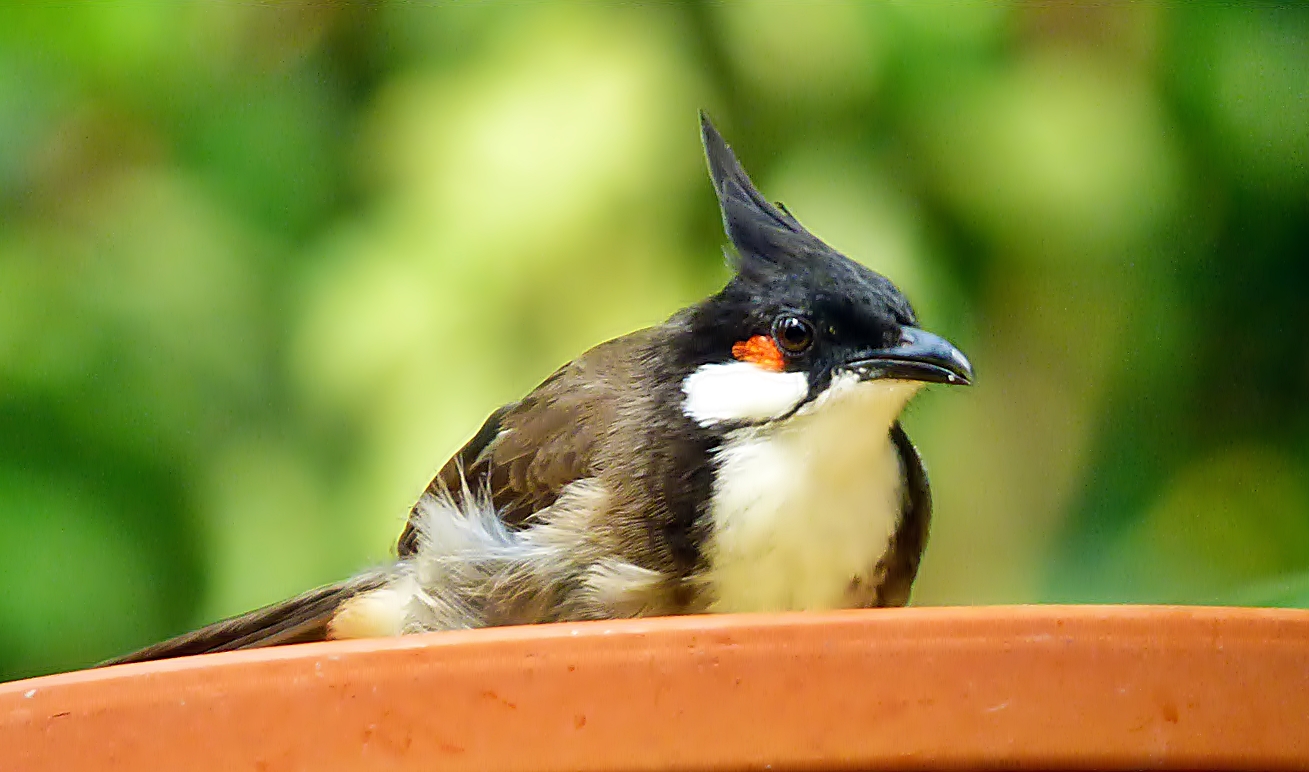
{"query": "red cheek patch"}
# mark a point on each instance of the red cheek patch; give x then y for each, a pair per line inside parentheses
(760, 350)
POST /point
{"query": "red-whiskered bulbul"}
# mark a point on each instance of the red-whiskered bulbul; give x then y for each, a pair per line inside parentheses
(744, 455)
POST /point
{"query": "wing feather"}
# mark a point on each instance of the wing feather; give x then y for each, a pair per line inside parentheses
(528, 451)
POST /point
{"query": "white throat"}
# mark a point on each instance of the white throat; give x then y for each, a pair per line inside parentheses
(804, 506)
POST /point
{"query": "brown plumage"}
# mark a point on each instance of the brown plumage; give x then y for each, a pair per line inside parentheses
(527, 451)
(661, 473)
(300, 619)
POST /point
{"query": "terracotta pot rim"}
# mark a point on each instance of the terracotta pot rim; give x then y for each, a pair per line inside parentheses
(929, 687)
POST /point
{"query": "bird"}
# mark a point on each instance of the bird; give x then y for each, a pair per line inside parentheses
(744, 455)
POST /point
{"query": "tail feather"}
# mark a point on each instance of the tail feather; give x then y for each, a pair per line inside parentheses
(300, 619)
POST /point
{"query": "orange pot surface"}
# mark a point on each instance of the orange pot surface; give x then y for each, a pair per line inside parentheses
(1080, 687)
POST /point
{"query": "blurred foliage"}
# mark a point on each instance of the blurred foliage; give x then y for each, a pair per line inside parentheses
(264, 266)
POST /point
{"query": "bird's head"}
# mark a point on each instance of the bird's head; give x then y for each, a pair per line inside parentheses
(799, 323)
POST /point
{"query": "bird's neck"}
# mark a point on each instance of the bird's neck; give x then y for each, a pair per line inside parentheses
(806, 507)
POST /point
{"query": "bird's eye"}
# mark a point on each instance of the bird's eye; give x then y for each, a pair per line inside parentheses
(793, 334)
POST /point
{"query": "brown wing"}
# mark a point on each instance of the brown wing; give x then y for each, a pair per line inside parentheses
(528, 451)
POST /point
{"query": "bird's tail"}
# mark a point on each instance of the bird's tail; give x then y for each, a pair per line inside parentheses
(301, 619)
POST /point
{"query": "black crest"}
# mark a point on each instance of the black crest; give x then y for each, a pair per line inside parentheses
(774, 248)
(762, 232)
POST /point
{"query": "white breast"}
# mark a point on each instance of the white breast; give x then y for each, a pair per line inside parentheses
(802, 507)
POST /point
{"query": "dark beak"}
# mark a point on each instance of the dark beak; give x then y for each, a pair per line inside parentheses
(919, 356)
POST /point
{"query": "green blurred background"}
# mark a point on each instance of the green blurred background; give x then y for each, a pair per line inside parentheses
(264, 266)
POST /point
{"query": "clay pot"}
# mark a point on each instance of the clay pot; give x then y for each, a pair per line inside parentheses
(931, 688)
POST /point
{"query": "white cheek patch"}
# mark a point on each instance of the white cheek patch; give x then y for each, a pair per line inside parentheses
(741, 392)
